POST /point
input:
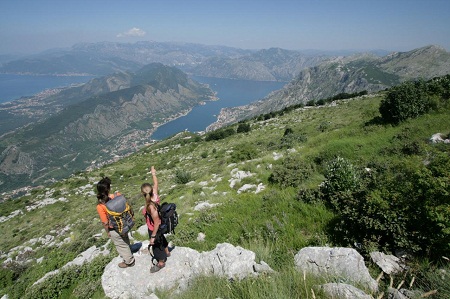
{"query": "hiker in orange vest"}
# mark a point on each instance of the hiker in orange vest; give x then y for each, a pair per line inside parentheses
(122, 242)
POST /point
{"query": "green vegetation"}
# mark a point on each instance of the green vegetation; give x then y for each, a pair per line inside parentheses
(411, 99)
(341, 178)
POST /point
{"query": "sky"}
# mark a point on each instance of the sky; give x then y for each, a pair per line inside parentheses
(31, 26)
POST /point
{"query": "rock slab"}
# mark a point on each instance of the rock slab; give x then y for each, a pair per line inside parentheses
(338, 262)
(388, 263)
(182, 266)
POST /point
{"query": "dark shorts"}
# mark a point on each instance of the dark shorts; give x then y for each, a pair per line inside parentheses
(161, 243)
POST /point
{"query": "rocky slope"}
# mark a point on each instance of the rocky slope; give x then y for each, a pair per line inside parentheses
(100, 127)
(346, 75)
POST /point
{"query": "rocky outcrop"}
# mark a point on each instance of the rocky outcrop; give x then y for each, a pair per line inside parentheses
(388, 263)
(182, 266)
(85, 257)
(439, 138)
(338, 262)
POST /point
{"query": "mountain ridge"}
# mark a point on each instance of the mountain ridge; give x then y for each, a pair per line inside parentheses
(99, 127)
(350, 74)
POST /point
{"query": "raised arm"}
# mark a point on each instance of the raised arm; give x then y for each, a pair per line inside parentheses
(155, 180)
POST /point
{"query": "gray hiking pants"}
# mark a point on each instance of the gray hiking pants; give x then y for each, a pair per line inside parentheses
(122, 244)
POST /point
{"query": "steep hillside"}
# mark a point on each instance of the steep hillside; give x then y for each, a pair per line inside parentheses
(24, 111)
(127, 109)
(347, 75)
(254, 185)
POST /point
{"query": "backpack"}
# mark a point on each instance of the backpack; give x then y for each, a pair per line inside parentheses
(120, 214)
(169, 217)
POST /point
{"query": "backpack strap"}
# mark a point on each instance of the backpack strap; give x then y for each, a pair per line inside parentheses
(147, 214)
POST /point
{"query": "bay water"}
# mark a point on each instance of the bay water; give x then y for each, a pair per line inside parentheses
(13, 87)
(231, 93)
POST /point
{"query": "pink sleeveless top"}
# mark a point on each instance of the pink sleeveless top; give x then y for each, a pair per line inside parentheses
(150, 224)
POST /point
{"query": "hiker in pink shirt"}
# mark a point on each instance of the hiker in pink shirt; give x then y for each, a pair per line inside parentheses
(158, 242)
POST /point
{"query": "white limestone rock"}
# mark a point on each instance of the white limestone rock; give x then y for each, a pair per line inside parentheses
(345, 263)
(182, 266)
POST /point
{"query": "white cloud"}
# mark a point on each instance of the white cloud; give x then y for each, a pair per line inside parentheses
(132, 32)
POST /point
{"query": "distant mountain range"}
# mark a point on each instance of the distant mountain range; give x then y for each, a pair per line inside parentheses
(104, 58)
(346, 75)
(273, 64)
(106, 117)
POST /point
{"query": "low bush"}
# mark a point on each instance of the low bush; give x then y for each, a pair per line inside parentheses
(182, 176)
(244, 152)
(243, 128)
(220, 134)
(291, 138)
(412, 99)
(403, 207)
(292, 172)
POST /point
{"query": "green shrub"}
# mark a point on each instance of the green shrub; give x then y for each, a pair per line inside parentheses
(403, 207)
(182, 176)
(291, 173)
(309, 195)
(220, 134)
(244, 152)
(291, 138)
(408, 100)
(341, 178)
(243, 128)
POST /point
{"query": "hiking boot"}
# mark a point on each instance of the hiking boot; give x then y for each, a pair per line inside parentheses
(156, 268)
(125, 265)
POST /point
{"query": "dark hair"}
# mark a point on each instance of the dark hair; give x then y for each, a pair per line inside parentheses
(103, 187)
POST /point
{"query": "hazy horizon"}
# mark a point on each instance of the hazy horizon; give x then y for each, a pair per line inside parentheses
(29, 26)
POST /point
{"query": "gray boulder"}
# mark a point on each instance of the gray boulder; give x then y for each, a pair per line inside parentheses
(343, 291)
(388, 263)
(438, 138)
(182, 266)
(338, 262)
(143, 230)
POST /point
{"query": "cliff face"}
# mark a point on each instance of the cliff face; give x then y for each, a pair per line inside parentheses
(100, 127)
(346, 75)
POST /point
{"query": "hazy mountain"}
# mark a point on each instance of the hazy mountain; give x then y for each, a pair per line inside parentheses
(214, 61)
(273, 64)
(122, 115)
(68, 63)
(107, 57)
(347, 75)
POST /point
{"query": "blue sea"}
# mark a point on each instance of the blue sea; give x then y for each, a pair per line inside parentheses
(13, 87)
(231, 93)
